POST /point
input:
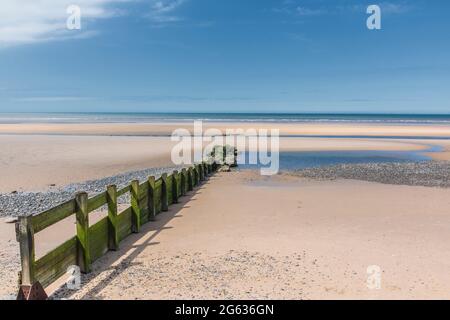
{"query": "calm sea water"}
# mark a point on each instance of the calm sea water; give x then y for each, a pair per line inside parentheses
(231, 117)
(312, 159)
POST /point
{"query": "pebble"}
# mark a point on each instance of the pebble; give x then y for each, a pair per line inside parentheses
(427, 174)
(30, 203)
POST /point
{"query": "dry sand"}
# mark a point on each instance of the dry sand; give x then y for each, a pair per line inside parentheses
(244, 236)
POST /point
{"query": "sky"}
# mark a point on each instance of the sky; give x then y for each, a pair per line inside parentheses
(225, 56)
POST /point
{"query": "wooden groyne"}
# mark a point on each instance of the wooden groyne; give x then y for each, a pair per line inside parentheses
(91, 242)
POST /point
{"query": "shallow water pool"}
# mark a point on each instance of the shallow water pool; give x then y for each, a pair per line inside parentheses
(311, 159)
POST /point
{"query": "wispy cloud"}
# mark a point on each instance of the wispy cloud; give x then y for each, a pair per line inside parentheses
(52, 99)
(304, 11)
(162, 12)
(31, 21)
(298, 9)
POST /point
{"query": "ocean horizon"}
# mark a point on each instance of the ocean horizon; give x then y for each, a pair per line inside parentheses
(142, 117)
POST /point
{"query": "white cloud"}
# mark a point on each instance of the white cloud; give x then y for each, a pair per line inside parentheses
(162, 11)
(30, 21)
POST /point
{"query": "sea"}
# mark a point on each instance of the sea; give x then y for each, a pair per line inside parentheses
(131, 117)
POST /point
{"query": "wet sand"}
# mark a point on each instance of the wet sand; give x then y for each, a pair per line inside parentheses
(36, 162)
(166, 128)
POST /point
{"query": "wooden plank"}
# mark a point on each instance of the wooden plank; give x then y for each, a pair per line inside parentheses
(196, 178)
(200, 172)
(98, 239)
(135, 208)
(82, 215)
(122, 191)
(124, 222)
(151, 199)
(53, 215)
(25, 235)
(164, 191)
(169, 185)
(183, 184)
(113, 223)
(157, 195)
(175, 187)
(97, 202)
(55, 263)
(190, 179)
(143, 190)
(178, 181)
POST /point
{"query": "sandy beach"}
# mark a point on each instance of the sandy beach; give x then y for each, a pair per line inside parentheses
(243, 236)
(233, 241)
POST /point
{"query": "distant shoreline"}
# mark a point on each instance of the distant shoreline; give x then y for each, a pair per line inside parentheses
(136, 117)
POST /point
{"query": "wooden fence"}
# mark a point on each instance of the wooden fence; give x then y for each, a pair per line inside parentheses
(93, 241)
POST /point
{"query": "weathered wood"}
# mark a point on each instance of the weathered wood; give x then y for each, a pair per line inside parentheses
(158, 195)
(135, 208)
(98, 239)
(204, 169)
(97, 202)
(53, 215)
(113, 228)
(164, 191)
(124, 190)
(190, 179)
(196, 176)
(25, 235)
(224, 154)
(175, 187)
(151, 199)
(169, 184)
(183, 182)
(200, 172)
(82, 215)
(124, 219)
(55, 263)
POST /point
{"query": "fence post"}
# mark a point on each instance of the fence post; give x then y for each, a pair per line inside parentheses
(190, 179)
(196, 174)
(205, 170)
(224, 155)
(26, 239)
(29, 288)
(202, 173)
(82, 216)
(183, 182)
(151, 200)
(135, 208)
(113, 227)
(164, 200)
(174, 187)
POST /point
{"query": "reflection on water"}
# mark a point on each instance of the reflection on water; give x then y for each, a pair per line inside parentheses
(310, 159)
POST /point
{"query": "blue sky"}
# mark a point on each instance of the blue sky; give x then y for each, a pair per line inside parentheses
(225, 56)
